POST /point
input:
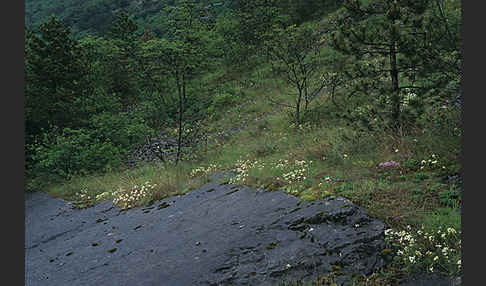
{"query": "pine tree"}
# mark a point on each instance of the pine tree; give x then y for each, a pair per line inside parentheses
(385, 38)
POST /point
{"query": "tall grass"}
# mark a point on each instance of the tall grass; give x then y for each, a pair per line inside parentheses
(166, 181)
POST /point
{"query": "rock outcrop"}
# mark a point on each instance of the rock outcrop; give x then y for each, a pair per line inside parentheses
(220, 234)
(158, 149)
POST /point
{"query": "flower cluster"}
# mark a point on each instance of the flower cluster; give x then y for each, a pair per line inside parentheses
(102, 196)
(295, 175)
(243, 167)
(431, 163)
(205, 170)
(282, 164)
(410, 95)
(389, 164)
(292, 191)
(298, 174)
(302, 127)
(84, 199)
(435, 251)
(128, 198)
(326, 182)
(295, 171)
(83, 195)
(363, 111)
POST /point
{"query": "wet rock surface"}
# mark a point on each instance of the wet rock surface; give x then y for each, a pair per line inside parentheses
(220, 234)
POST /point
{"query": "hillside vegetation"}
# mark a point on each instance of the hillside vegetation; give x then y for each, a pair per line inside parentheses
(359, 99)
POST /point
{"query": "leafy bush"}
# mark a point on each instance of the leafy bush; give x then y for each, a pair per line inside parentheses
(450, 197)
(67, 152)
(74, 151)
(123, 129)
(155, 112)
(411, 164)
(421, 177)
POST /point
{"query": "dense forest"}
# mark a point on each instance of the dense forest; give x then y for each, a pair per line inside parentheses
(95, 17)
(233, 82)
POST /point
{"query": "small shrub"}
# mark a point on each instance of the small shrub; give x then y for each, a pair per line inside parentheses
(421, 177)
(123, 130)
(75, 151)
(417, 194)
(450, 197)
(411, 164)
(437, 250)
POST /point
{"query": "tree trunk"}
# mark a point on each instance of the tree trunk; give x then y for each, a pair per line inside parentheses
(180, 88)
(395, 89)
(297, 106)
(306, 95)
(444, 18)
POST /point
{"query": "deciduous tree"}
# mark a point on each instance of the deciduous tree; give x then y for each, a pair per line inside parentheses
(183, 54)
(294, 51)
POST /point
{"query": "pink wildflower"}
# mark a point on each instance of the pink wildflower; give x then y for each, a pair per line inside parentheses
(389, 164)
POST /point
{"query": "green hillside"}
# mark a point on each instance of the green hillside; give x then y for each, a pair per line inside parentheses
(359, 99)
(93, 17)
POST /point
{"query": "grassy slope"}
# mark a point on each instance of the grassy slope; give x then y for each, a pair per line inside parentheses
(312, 161)
(309, 161)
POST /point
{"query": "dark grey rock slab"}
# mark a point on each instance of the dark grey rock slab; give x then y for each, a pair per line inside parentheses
(220, 234)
